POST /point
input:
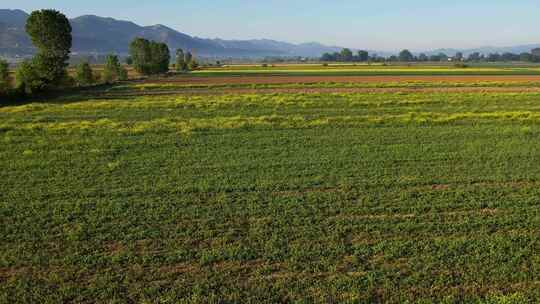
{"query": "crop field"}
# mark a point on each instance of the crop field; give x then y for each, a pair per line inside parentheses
(368, 70)
(319, 190)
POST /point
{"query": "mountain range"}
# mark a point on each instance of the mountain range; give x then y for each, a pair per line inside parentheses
(99, 35)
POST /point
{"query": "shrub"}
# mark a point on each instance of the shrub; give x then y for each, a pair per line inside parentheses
(107, 76)
(461, 65)
(4, 77)
(28, 80)
(193, 65)
(180, 64)
(113, 70)
(122, 73)
(84, 75)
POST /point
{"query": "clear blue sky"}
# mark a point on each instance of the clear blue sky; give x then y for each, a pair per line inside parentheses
(370, 24)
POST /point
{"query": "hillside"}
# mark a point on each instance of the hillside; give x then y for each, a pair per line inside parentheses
(95, 34)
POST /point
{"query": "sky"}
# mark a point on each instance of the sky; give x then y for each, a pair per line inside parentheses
(389, 25)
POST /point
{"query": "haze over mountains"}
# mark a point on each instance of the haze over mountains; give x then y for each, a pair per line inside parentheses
(99, 35)
(94, 34)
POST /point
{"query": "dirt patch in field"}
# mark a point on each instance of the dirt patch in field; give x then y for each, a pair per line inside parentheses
(440, 187)
(217, 91)
(6, 273)
(275, 79)
(114, 248)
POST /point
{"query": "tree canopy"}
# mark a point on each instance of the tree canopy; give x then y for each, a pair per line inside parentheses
(50, 32)
(149, 57)
(181, 64)
(406, 56)
(4, 76)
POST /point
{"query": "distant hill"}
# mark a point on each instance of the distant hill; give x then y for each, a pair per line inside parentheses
(487, 50)
(99, 35)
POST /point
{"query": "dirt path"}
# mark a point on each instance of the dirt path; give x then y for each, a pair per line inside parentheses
(273, 79)
(217, 91)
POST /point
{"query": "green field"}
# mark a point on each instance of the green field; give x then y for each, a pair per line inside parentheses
(357, 197)
(368, 70)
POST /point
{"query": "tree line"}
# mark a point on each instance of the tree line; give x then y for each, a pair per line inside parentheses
(50, 32)
(346, 55)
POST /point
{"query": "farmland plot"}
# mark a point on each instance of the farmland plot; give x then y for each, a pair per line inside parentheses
(268, 196)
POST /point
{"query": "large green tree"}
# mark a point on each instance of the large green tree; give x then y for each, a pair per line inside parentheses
(139, 50)
(406, 56)
(149, 57)
(50, 32)
(363, 56)
(346, 55)
(161, 57)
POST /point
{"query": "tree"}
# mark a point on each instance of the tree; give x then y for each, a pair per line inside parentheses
(474, 57)
(149, 57)
(536, 52)
(180, 61)
(122, 73)
(27, 79)
(494, 57)
(526, 57)
(458, 56)
(139, 50)
(509, 57)
(113, 69)
(363, 56)
(193, 65)
(129, 60)
(84, 75)
(160, 57)
(423, 57)
(442, 57)
(188, 58)
(406, 56)
(327, 57)
(50, 32)
(4, 77)
(346, 55)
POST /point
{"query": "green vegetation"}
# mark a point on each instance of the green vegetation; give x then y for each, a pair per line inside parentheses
(346, 55)
(4, 77)
(406, 56)
(84, 75)
(380, 196)
(28, 79)
(366, 70)
(405, 85)
(50, 32)
(149, 57)
(181, 64)
(114, 70)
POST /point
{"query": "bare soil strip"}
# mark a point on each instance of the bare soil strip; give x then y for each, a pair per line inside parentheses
(273, 79)
(218, 91)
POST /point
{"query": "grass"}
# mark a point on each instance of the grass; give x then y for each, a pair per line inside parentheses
(367, 70)
(280, 197)
(149, 86)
